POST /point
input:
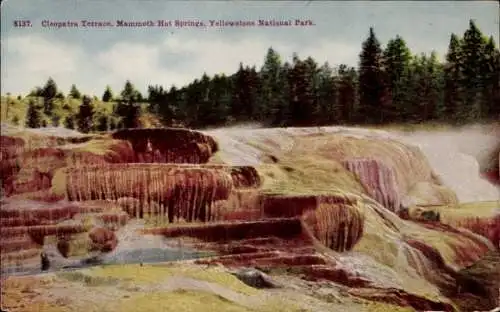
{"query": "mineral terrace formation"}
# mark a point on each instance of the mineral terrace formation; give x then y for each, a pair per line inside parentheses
(328, 206)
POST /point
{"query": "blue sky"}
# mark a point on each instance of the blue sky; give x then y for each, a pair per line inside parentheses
(96, 57)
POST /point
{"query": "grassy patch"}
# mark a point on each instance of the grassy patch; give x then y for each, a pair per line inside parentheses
(307, 174)
(483, 209)
(476, 209)
(39, 307)
(385, 253)
(22, 294)
(196, 301)
(303, 170)
(12, 108)
(149, 274)
(178, 301)
(409, 127)
(88, 280)
(99, 145)
(383, 307)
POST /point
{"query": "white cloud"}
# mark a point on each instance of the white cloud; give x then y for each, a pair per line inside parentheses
(32, 59)
(335, 53)
(141, 64)
(218, 56)
(41, 55)
(128, 61)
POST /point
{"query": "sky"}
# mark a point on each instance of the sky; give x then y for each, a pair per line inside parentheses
(92, 58)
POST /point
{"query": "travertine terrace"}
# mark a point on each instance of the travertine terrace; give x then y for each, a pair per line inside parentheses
(339, 205)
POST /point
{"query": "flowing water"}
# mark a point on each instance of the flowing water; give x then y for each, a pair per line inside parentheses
(455, 156)
(132, 248)
(136, 248)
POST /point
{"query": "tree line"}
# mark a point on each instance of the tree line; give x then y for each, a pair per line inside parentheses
(390, 85)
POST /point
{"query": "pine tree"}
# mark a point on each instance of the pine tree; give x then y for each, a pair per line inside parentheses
(112, 124)
(36, 92)
(371, 81)
(131, 116)
(435, 77)
(473, 55)
(226, 90)
(240, 95)
(279, 114)
(397, 57)
(85, 115)
(175, 99)
(193, 96)
(33, 116)
(311, 90)
(271, 93)
(159, 104)
(74, 93)
(453, 91)
(107, 95)
(69, 122)
(253, 89)
(491, 85)
(204, 107)
(302, 98)
(49, 92)
(347, 94)
(128, 108)
(155, 96)
(327, 96)
(214, 110)
(102, 123)
(426, 88)
(129, 94)
(245, 95)
(55, 120)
